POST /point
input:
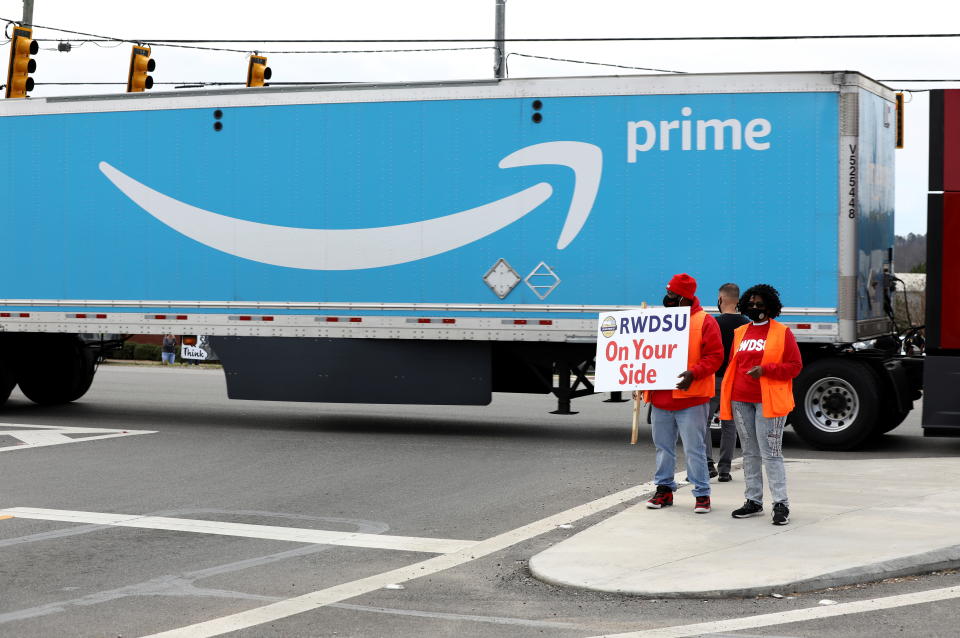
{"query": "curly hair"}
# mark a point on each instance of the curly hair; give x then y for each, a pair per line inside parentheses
(770, 296)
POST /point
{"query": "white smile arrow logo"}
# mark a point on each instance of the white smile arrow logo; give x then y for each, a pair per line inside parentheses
(357, 248)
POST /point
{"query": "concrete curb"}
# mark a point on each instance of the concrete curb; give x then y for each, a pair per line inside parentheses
(851, 522)
(948, 558)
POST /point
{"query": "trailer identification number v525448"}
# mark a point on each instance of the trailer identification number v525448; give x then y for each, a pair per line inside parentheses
(852, 206)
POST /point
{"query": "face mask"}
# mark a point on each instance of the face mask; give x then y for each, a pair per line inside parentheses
(671, 302)
(719, 306)
(755, 314)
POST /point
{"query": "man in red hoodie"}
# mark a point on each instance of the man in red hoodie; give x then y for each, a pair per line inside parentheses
(686, 410)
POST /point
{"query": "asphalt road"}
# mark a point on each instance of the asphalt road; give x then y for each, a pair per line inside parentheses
(420, 477)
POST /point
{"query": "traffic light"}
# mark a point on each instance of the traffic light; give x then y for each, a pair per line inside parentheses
(258, 71)
(140, 67)
(19, 82)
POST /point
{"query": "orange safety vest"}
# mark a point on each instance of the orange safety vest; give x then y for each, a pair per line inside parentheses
(776, 396)
(705, 387)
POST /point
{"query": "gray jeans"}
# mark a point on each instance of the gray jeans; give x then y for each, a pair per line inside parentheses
(728, 435)
(762, 442)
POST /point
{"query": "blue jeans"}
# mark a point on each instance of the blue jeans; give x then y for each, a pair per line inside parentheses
(762, 441)
(689, 425)
(167, 357)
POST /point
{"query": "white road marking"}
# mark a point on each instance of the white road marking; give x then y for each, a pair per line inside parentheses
(338, 593)
(794, 615)
(292, 534)
(38, 437)
(32, 436)
(498, 620)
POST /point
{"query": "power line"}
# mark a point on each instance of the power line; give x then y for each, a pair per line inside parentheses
(181, 41)
(192, 84)
(97, 39)
(619, 66)
(307, 82)
(599, 39)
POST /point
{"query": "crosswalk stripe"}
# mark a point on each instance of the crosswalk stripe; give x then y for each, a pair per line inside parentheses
(292, 534)
(338, 593)
(793, 615)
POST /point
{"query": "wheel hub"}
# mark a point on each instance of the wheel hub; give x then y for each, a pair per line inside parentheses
(832, 404)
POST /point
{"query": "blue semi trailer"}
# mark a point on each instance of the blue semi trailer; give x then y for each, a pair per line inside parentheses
(434, 243)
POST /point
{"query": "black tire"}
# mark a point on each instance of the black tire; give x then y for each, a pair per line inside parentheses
(86, 380)
(7, 381)
(889, 420)
(58, 369)
(837, 404)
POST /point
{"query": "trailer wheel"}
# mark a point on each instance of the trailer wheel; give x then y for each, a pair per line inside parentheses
(60, 370)
(837, 404)
(7, 382)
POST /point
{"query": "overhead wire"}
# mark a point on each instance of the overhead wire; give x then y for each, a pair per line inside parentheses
(557, 39)
(184, 41)
(619, 66)
(192, 84)
(100, 40)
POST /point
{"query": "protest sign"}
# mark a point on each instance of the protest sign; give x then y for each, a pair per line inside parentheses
(641, 349)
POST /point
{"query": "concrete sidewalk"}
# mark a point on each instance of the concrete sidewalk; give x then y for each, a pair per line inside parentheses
(850, 521)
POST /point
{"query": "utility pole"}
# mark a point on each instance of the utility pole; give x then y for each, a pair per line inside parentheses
(499, 55)
(27, 13)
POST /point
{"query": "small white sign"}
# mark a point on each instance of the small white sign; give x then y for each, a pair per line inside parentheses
(198, 350)
(193, 352)
(641, 349)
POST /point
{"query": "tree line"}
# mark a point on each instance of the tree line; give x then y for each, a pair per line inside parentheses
(910, 253)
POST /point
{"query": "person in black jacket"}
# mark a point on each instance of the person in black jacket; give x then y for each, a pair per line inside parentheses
(729, 320)
(168, 351)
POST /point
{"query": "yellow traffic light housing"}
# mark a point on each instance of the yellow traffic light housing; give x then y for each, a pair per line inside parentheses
(258, 71)
(22, 46)
(141, 65)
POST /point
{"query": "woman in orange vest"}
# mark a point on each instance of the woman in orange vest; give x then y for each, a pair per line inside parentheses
(757, 393)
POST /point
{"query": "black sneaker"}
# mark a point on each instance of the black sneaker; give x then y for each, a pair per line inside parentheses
(750, 508)
(781, 514)
(712, 468)
(725, 477)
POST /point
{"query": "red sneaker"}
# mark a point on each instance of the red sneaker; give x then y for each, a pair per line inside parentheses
(703, 505)
(663, 498)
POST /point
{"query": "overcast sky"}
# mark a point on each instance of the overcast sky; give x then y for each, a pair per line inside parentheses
(893, 59)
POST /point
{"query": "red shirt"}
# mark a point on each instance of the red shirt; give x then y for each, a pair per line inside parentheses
(711, 358)
(750, 354)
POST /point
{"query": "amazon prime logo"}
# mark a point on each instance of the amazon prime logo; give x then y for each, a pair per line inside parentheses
(361, 248)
